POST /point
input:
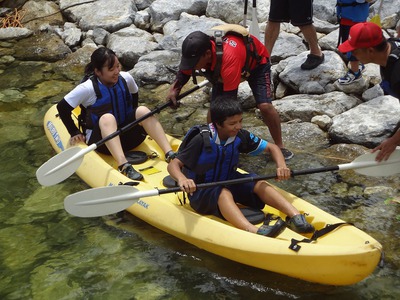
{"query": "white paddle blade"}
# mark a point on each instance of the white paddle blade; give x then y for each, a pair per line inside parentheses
(104, 200)
(366, 165)
(59, 167)
(254, 27)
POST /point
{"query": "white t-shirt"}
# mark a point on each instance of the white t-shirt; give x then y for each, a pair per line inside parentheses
(84, 93)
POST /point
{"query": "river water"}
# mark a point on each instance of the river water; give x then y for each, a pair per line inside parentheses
(48, 254)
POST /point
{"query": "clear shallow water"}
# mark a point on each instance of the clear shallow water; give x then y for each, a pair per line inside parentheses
(47, 254)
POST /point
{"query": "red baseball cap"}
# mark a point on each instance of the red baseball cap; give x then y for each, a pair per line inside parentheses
(362, 35)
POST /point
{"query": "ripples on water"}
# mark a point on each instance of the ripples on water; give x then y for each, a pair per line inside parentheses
(47, 254)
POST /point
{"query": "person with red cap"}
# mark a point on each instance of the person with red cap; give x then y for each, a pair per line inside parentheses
(367, 43)
(235, 61)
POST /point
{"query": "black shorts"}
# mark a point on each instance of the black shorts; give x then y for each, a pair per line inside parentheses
(259, 82)
(297, 12)
(129, 139)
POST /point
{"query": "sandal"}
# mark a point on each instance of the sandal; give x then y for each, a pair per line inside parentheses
(274, 230)
(312, 61)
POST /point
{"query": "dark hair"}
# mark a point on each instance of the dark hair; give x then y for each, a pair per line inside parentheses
(99, 58)
(224, 107)
(382, 46)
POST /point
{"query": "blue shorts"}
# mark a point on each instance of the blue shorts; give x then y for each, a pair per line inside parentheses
(205, 201)
(297, 12)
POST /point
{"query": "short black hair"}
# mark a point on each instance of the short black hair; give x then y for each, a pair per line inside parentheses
(382, 46)
(224, 107)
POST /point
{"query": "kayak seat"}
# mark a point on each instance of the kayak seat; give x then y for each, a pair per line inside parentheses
(136, 157)
(169, 182)
(253, 215)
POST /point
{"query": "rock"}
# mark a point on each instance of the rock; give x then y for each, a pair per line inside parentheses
(313, 81)
(111, 15)
(42, 47)
(162, 11)
(367, 124)
(14, 33)
(152, 68)
(40, 14)
(130, 44)
(282, 49)
(372, 93)
(305, 107)
(323, 122)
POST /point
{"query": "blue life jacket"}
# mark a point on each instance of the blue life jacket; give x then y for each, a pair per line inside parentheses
(116, 100)
(352, 10)
(216, 162)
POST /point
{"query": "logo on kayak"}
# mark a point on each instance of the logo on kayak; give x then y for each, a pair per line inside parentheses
(56, 137)
(144, 204)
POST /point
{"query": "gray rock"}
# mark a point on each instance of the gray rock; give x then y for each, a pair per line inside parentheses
(152, 68)
(14, 33)
(162, 11)
(368, 123)
(130, 44)
(372, 93)
(305, 107)
(41, 14)
(314, 81)
(110, 15)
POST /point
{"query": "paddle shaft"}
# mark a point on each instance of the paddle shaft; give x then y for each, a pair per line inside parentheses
(349, 166)
(246, 3)
(154, 111)
(250, 179)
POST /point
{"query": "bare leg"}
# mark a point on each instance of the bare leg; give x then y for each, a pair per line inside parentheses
(354, 66)
(310, 34)
(153, 128)
(108, 125)
(273, 198)
(232, 213)
(271, 118)
(271, 35)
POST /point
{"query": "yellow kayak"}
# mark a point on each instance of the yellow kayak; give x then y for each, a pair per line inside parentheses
(343, 256)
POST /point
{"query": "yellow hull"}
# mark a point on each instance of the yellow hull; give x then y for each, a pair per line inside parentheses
(344, 256)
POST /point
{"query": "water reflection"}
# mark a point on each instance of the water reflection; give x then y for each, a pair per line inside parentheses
(47, 254)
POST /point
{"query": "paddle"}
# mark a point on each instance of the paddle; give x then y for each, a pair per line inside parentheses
(254, 28)
(246, 3)
(64, 164)
(108, 200)
(377, 18)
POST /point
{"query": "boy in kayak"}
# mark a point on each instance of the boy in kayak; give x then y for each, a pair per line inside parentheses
(213, 155)
(109, 100)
